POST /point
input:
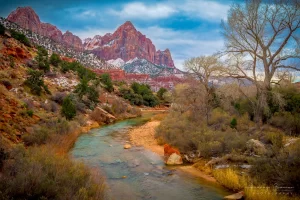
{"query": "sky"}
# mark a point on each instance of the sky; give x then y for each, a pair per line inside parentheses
(188, 28)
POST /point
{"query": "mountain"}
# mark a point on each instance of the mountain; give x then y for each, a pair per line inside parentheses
(127, 43)
(26, 18)
(143, 66)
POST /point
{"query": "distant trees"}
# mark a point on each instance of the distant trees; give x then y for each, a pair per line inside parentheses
(42, 59)
(161, 92)
(68, 109)
(106, 80)
(204, 68)
(55, 59)
(262, 41)
(20, 37)
(139, 94)
(35, 82)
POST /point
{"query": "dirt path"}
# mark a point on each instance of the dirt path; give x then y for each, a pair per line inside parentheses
(145, 136)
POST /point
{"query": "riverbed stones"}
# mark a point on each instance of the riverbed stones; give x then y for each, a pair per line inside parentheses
(174, 159)
(127, 146)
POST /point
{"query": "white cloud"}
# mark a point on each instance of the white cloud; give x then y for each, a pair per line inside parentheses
(140, 10)
(205, 9)
(183, 44)
(91, 32)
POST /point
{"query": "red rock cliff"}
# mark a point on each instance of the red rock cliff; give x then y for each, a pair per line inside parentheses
(28, 19)
(127, 43)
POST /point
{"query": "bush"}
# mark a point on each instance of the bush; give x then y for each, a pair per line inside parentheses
(29, 113)
(42, 59)
(40, 174)
(38, 137)
(35, 82)
(20, 37)
(106, 80)
(233, 123)
(68, 109)
(55, 59)
(2, 29)
(59, 97)
(161, 92)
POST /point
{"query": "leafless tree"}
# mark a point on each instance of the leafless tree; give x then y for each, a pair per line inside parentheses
(205, 68)
(262, 39)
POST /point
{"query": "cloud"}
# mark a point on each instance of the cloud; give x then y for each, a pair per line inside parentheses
(210, 10)
(141, 11)
(89, 32)
(184, 44)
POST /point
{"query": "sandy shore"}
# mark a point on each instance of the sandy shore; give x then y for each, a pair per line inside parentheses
(144, 136)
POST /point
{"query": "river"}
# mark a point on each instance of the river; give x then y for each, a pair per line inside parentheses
(137, 173)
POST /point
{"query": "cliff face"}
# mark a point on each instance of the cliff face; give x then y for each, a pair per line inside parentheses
(28, 19)
(127, 43)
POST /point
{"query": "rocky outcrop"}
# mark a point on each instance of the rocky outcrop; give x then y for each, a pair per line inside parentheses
(236, 196)
(26, 18)
(127, 43)
(101, 116)
(172, 155)
(256, 146)
(72, 40)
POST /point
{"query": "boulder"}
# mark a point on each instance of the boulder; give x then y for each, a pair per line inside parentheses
(101, 116)
(168, 150)
(236, 196)
(256, 147)
(174, 159)
(127, 146)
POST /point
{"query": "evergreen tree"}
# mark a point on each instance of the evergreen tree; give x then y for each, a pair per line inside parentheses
(68, 109)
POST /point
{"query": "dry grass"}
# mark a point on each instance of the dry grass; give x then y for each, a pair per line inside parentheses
(200, 165)
(230, 179)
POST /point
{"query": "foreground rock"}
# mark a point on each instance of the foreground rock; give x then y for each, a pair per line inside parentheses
(174, 159)
(236, 196)
(172, 155)
(127, 146)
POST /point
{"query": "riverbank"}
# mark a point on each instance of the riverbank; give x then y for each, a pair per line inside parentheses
(145, 136)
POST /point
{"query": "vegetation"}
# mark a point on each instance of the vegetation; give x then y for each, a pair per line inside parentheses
(42, 59)
(160, 93)
(55, 59)
(68, 109)
(139, 94)
(35, 82)
(37, 173)
(20, 37)
(106, 80)
(2, 29)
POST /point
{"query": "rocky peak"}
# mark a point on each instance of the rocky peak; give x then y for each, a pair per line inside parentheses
(27, 18)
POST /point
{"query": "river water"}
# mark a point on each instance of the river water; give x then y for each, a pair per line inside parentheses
(137, 173)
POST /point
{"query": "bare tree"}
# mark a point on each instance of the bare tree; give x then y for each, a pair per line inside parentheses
(205, 68)
(262, 39)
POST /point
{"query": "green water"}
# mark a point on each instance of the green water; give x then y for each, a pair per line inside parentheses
(146, 175)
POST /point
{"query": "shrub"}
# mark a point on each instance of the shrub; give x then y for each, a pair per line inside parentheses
(42, 59)
(161, 92)
(68, 109)
(20, 37)
(233, 123)
(29, 113)
(2, 29)
(106, 80)
(55, 59)
(59, 97)
(38, 137)
(12, 63)
(40, 174)
(35, 82)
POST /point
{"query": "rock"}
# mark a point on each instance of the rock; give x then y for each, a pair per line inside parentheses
(101, 116)
(222, 166)
(244, 166)
(256, 147)
(127, 146)
(124, 177)
(146, 174)
(27, 18)
(291, 141)
(126, 44)
(168, 150)
(236, 196)
(174, 159)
